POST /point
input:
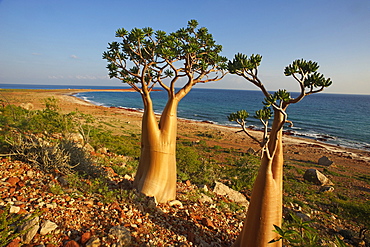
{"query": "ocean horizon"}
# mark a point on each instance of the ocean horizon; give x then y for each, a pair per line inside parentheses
(337, 119)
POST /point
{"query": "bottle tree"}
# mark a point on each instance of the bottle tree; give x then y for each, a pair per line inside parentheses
(265, 209)
(145, 58)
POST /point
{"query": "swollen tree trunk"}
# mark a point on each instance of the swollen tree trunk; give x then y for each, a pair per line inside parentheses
(265, 208)
(156, 174)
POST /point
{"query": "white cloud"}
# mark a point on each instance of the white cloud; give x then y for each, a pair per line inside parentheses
(36, 54)
(78, 77)
(55, 77)
(73, 56)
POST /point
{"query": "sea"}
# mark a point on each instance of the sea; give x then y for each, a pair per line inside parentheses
(337, 119)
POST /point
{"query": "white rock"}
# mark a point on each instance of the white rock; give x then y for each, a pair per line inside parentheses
(204, 198)
(314, 176)
(233, 195)
(14, 209)
(175, 203)
(47, 227)
(203, 187)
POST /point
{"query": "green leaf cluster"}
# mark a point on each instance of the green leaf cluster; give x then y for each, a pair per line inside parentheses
(279, 96)
(264, 114)
(307, 70)
(301, 66)
(239, 115)
(242, 62)
(298, 233)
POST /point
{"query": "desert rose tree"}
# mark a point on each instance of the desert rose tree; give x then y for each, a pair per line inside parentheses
(145, 58)
(265, 209)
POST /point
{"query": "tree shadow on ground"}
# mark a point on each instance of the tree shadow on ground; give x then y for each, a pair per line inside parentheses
(184, 221)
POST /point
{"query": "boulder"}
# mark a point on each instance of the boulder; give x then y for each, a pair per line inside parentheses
(233, 195)
(316, 177)
(325, 161)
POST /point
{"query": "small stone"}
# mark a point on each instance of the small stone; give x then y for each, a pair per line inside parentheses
(326, 189)
(14, 243)
(93, 242)
(325, 161)
(29, 173)
(89, 148)
(204, 198)
(89, 202)
(14, 209)
(85, 237)
(102, 150)
(208, 223)
(47, 227)
(51, 205)
(251, 151)
(122, 235)
(12, 181)
(76, 137)
(72, 243)
(175, 203)
(303, 216)
(203, 187)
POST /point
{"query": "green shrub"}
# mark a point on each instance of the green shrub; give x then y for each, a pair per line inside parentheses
(192, 166)
(119, 144)
(242, 172)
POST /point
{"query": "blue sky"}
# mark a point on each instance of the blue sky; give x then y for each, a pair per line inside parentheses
(61, 42)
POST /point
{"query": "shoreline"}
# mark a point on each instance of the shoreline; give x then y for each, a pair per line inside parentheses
(287, 134)
(69, 102)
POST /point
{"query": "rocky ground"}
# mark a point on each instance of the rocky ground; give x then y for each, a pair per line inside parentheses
(75, 219)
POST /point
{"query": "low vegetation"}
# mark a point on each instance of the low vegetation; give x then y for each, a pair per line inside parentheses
(41, 138)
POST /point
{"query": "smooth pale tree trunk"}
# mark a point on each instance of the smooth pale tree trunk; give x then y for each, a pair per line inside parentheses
(156, 174)
(265, 208)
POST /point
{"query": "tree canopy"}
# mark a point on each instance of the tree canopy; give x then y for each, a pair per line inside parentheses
(144, 58)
